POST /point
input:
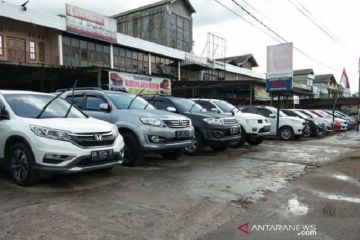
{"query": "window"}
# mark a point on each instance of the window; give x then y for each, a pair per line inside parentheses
(264, 112)
(93, 103)
(129, 60)
(1, 46)
(32, 50)
(180, 33)
(41, 47)
(77, 101)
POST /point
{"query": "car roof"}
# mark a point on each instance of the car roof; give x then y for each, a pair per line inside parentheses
(23, 92)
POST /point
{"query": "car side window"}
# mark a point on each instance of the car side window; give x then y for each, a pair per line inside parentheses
(93, 103)
(77, 101)
(2, 105)
(206, 104)
(247, 110)
(162, 104)
(264, 112)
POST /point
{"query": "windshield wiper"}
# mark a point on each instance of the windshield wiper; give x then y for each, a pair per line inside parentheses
(132, 100)
(72, 100)
(153, 97)
(47, 105)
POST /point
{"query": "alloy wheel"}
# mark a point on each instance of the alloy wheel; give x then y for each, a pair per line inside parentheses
(19, 165)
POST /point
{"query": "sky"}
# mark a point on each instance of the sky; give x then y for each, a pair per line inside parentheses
(327, 52)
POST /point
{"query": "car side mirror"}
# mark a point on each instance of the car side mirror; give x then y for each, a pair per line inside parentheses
(4, 114)
(272, 115)
(171, 109)
(215, 110)
(104, 107)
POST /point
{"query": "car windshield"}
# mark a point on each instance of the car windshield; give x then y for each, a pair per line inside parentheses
(30, 106)
(225, 106)
(274, 111)
(122, 101)
(301, 114)
(185, 105)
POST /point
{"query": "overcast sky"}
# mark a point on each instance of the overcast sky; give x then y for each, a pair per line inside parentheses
(340, 18)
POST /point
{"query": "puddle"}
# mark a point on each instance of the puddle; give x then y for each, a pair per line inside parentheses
(346, 178)
(297, 208)
(339, 197)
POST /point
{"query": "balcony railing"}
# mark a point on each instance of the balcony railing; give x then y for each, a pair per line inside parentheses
(21, 56)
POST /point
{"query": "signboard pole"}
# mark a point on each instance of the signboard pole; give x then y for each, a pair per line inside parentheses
(278, 118)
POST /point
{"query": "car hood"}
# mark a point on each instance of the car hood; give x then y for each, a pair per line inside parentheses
(249, 116)
(74, 125)
(159, 114)
(292, 118)
(208, 114)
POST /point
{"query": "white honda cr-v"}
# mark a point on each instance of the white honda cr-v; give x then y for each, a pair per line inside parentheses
(42, 134)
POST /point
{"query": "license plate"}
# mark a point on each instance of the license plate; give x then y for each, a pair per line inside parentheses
(182, 134)
(234, 130)
(102, 155)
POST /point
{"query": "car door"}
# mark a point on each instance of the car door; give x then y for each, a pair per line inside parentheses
(267, 113)
(4, 130)
(92, 104)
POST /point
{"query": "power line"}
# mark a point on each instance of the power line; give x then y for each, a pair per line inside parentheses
(282, 38)
(325, 31)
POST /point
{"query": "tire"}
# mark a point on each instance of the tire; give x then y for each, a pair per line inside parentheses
(172, 154)
(219, 148)
(241, 142)
(254, 141)
(197, 148)
(21, 163)
(309, 132)
(133, 156)
(286, 133)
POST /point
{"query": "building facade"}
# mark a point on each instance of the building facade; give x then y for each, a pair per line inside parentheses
(168, 23)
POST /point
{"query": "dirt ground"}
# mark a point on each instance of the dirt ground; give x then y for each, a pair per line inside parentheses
(204, 197)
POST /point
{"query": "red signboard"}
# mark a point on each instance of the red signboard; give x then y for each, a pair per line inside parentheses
(83, 14)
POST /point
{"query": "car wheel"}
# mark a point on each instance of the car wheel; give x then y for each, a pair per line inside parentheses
(197, 147)
(308, 132)
(219, 148)
(21, 165)
(286, 133)
(241, 142)
(172, 154)
(133, 156)
(254, 140)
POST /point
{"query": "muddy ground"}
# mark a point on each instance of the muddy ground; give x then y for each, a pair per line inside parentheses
(207, 197)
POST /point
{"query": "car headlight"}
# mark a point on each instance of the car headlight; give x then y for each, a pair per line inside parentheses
(251, 121)
(115, 131)
(152, 122)
(214, 121)
(51, 133)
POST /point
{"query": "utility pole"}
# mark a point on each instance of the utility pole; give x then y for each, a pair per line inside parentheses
(358, 111)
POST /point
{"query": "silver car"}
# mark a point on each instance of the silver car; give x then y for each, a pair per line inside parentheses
(142, 126)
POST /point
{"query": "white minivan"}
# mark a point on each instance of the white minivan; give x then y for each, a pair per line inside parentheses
(42, 134)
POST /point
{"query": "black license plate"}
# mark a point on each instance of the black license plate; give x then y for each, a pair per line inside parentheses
(102, 155)
(182, 134)
(234, 130)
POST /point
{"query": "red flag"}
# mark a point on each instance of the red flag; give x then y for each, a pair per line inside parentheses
(344, 80)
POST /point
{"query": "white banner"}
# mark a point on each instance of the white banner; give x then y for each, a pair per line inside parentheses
(134, 83)
(90, 24)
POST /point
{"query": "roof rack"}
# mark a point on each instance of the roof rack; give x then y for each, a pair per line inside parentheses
(79, 88)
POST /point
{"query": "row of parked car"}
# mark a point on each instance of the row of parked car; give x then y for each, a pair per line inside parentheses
(87, 129)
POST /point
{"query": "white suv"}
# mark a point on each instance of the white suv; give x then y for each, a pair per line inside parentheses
(42, 134)
(254, 126)
(289, 127)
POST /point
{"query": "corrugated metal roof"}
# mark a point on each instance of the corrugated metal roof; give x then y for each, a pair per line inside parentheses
(239, 60)
(16, 12)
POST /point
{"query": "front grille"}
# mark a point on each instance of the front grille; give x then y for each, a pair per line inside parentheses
(93, 139)
(230, 121)
(265, 129)
(177, 123)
